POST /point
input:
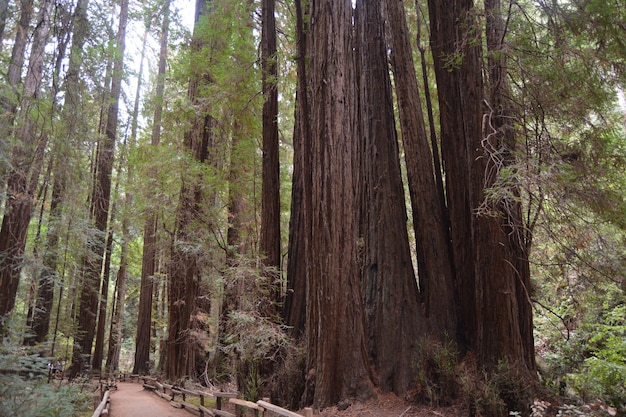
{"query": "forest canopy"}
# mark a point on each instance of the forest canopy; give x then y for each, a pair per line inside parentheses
(318, 201)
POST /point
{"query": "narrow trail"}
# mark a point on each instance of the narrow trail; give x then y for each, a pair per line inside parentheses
(131, 400)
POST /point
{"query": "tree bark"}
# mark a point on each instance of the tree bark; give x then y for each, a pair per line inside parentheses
(389, 285)
(117, 317)
(26, 165)
(4, 11)
(270, 194)
(337, 364)
(436, 274)
(294, 310)
(10, 101)
(501, 136)
(489, 302)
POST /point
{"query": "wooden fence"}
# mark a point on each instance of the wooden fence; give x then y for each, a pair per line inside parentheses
(180, 398)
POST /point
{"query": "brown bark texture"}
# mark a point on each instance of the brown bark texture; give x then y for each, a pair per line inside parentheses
(495, 325)
(436, 274)
(337, 365)
(389, 284)
(294, 310)
(100, 201)
(26, 165)
(270, 194)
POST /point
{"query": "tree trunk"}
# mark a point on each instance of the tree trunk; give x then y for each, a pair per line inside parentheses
(26, 165)
(148, 262)
(4, 11)
(100, 207)
(389, 284)
(9, 101)
(117, 318)
(489, 302)
(436, 274)
(502, 137)
(294, 310)
(184, 274)
(270, 195)
(337, 364)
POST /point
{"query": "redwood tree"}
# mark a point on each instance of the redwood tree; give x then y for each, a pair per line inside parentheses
(149, 257)
(26, 164)
(184, 271)
(70, 117)
(430, 223)
(99, 211)
(337, 364)
(491, 315)
(389, 287)
(270, 195)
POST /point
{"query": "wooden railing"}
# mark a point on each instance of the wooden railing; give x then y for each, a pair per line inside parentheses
(103, 407)
(178, 397)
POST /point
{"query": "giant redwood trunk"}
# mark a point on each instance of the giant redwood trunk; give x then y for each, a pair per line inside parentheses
(501, 136)
(435, 269)
(390, 288)
(26, 164)
(337, 365)
(488, 289)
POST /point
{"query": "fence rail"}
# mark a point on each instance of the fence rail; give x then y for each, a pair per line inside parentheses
(179, 397)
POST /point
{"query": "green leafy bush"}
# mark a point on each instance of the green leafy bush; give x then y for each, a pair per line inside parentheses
(25, 390)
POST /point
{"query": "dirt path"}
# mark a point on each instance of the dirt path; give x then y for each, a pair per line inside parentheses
(131, 400)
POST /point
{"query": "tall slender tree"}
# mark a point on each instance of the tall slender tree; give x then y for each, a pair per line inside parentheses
(149, 257)
(270, 195)
(184, 271)
(100, 201)
(9, 100)
(436, 274)
(294, 309)
(70, 117)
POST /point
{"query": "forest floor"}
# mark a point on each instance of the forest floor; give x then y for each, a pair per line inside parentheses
(389, 405)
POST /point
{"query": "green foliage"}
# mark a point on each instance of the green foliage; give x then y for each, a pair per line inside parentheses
(25, 390)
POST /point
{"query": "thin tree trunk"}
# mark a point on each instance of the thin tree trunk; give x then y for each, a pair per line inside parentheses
(148, 262)
(9, 101)
(183, 268)
(270, 195)
(100, 207)
(4, 11)
(294, 310)
(117, 319)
